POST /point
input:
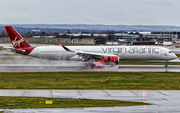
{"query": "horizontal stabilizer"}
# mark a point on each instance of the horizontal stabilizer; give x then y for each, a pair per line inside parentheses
(10, 49)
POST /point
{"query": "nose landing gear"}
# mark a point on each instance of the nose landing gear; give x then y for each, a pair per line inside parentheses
(166, 65)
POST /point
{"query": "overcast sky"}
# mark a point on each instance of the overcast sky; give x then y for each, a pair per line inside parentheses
(108, 12)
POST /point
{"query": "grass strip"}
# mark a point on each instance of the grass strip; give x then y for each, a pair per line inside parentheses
(91, 80)
(178, 55)
(40, 102)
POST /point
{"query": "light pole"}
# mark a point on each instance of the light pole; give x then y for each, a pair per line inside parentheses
(176, 33)
(172, 34)
(163, 36)
(169, 32)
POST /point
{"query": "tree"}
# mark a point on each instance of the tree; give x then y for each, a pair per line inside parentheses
(43, 33)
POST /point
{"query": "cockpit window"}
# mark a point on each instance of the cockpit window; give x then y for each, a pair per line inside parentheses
(170, 52)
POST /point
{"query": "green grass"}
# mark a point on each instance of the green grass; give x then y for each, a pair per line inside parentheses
(178, 55)
(91, 80)
(33, 102)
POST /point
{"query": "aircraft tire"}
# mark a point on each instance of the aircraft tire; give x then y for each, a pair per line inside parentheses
(166, 65)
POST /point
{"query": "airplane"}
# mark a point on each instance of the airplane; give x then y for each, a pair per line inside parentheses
(106, 55)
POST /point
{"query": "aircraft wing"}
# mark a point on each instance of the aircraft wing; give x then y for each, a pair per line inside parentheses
(95, 55)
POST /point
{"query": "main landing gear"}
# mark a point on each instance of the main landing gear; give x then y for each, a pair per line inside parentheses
(166, 65)
(90, 65)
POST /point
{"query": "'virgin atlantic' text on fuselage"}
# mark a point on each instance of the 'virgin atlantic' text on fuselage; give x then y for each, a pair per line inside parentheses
(131, 50)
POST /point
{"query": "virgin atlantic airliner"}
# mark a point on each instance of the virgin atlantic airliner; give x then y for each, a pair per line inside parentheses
(107, 55)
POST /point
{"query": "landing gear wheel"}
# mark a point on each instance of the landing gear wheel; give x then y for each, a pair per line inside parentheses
(166, 65)
(90, 65)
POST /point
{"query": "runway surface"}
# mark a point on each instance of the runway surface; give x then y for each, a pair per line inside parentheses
(163, 101)
(56, 68)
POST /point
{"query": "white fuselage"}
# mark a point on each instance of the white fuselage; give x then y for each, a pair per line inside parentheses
(123, 52)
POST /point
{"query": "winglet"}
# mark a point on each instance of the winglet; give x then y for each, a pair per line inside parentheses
(65, 47)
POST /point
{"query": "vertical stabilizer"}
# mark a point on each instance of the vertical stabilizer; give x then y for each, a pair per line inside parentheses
(16, 39)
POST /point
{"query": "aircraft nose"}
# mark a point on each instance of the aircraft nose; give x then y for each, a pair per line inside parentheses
(174, 56)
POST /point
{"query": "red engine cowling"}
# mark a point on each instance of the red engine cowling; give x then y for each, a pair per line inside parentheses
(110, 60)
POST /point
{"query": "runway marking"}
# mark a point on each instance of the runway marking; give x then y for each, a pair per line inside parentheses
(24, 92)
(79, 92)
(134, 92)
(52, 93)
(107, 92)
(162, 93)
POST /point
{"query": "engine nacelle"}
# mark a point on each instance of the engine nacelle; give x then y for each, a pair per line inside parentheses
(110, 60)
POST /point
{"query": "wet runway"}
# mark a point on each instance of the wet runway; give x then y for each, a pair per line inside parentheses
(163, 101)
(58, 68)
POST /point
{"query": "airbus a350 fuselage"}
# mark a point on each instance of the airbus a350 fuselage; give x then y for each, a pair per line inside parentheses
(123, 52)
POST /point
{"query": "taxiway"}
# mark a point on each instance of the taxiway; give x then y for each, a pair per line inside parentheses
(163, 101)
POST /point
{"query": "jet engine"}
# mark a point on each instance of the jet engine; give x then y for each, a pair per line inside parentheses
(110, 60)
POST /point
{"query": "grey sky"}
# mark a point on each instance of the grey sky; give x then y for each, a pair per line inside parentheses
(108, 12)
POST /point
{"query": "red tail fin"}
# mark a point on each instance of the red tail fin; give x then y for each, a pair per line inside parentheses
(16, 39)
